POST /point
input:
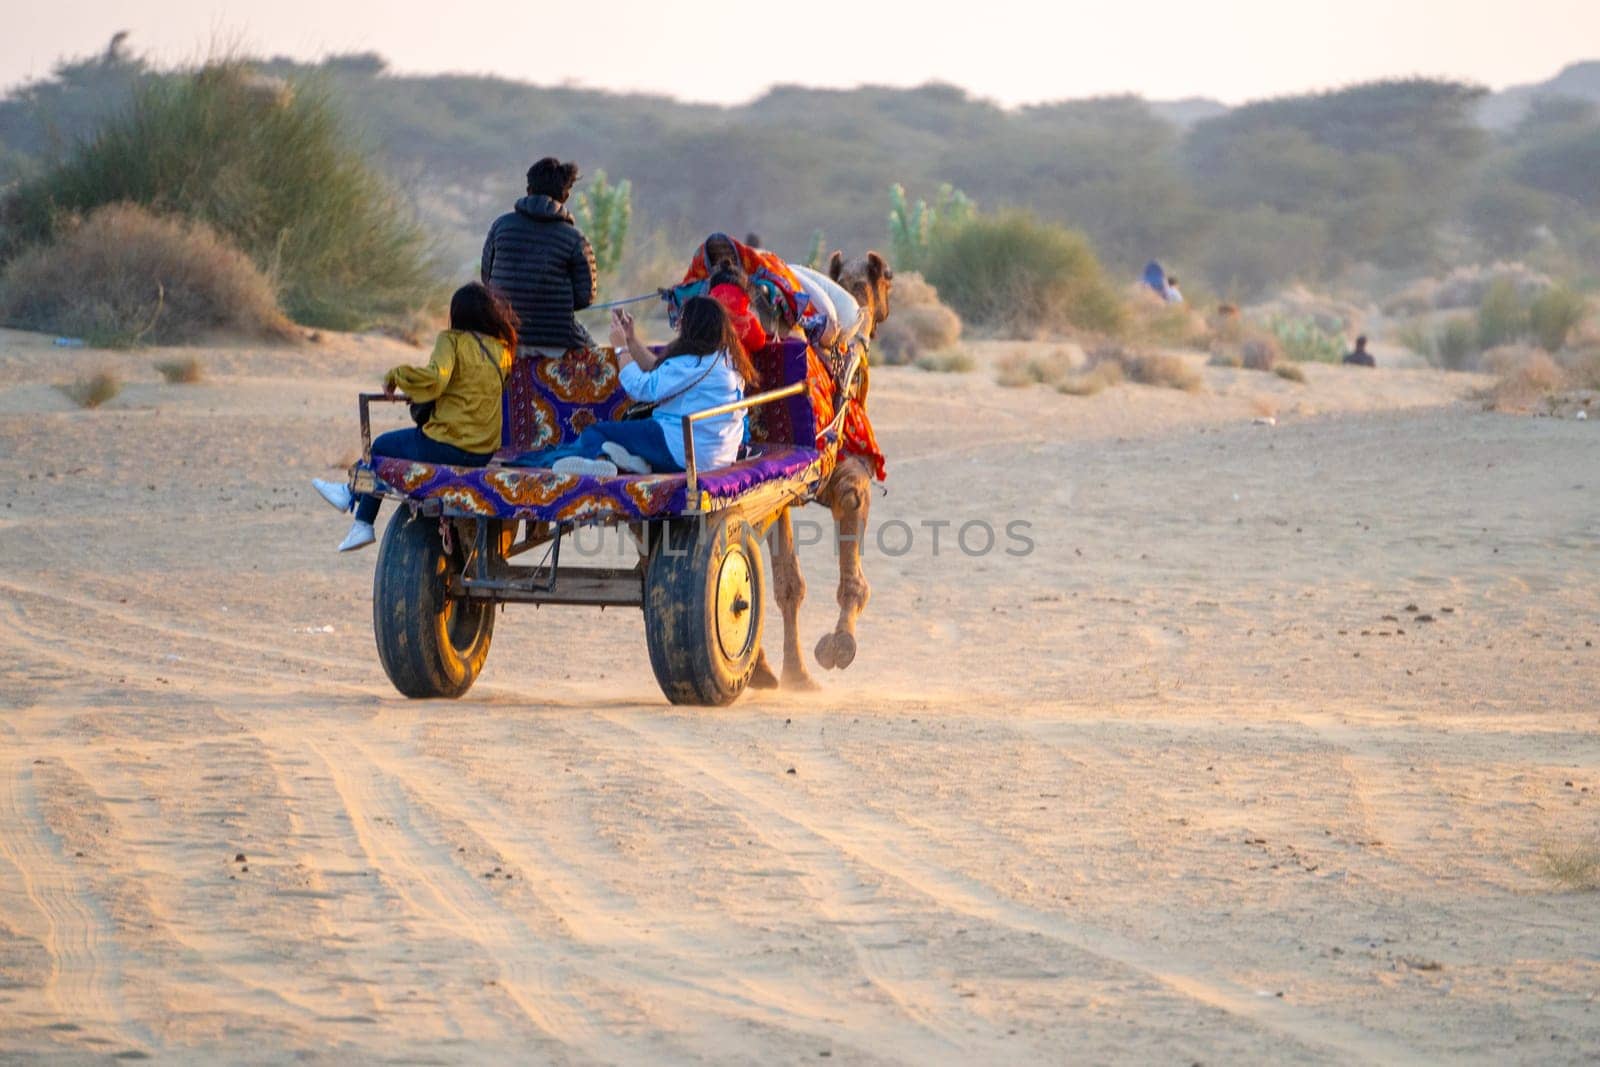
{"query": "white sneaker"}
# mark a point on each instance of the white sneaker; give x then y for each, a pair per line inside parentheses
(624, 459)
(336, 494)
(360, 536)
(599, 468)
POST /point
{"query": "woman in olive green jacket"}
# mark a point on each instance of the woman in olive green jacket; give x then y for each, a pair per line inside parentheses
(461, 384)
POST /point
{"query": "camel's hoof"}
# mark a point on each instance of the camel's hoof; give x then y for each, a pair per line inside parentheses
(800, 681)
(836, 651)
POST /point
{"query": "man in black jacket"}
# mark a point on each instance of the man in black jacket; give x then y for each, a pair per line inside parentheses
(538, 258)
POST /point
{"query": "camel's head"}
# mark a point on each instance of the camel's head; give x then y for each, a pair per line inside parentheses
(868, 279)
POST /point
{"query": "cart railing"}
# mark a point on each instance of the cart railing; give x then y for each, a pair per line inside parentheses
(689, 465)
(364, 400)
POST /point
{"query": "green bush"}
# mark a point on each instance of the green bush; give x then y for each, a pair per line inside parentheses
(1452, 345)
(1014, 273)
(267, 165)
(1553, 315)
(1305, 342)
(1503, 315)
(1455, 344)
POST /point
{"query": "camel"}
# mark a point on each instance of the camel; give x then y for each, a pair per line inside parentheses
(848, 494)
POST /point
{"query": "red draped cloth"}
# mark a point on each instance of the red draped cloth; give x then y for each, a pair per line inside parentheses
(855, 434)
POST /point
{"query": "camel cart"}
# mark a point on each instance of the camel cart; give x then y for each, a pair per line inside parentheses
(467, 540)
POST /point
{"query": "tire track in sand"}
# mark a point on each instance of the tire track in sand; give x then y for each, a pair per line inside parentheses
(684, 971)
(789, 819)
(84, 987)
(435, 888)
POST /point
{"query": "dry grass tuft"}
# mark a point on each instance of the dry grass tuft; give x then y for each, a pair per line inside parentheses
(1148, 368)
(1290, 372)
(1097, 378)
(180, 371)
(1260, 352)
(1526, 376)
(1573, 867)
(1036, 366)
(918, 325)
(125, 276)
(1583, 368)
(94, 390)
(1240, 344)
(947, 361)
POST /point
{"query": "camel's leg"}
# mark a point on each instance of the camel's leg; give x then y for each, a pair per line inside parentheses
(789, 589)
(848, 495)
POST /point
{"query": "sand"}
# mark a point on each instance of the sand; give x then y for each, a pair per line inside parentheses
(1190, 781)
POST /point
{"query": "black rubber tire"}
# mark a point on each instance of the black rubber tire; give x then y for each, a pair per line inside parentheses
(431, 645)
(688, 652)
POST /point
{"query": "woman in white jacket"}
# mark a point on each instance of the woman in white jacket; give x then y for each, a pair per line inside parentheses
(703, 367)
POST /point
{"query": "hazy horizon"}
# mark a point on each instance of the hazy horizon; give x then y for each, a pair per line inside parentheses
(1252, 49)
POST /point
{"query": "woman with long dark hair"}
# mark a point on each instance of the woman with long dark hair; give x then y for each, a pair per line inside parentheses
(459, 391)
(703, 367)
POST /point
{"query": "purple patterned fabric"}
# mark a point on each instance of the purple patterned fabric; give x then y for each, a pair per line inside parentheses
(552, 401)
(539, 494)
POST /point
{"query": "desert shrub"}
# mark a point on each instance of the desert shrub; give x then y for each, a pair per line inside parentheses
(1503, 315)
(1251, 348)
(1259, 352)
(1290, 372)
(123, 275)
(1553, 315)
(1304, 341)
(1455, 344)
(1014, 273)
(1036, 366)
(93, 390)
(1416, 337)
(910, 333)
(1524, 375)
(1147, 368)
(1097, 378)
(1158, 322)
(918, 325)
(180, 371)
(1583, 368)
(268, 166)
(1573, 867)
(947, 361)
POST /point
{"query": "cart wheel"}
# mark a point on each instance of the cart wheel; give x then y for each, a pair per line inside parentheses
(431, 645)
(702, 609)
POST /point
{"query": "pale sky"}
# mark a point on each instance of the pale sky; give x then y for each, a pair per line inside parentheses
(1011, 51)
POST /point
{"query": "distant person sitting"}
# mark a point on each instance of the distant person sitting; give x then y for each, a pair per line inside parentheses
(1360, 357)
(536, 256)
(1172, 295)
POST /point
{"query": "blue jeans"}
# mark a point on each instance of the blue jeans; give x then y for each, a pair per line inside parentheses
(643, 437)
(412, 443)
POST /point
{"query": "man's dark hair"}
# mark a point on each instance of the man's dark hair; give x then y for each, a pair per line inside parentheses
(1361, 342)
(553, 178)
